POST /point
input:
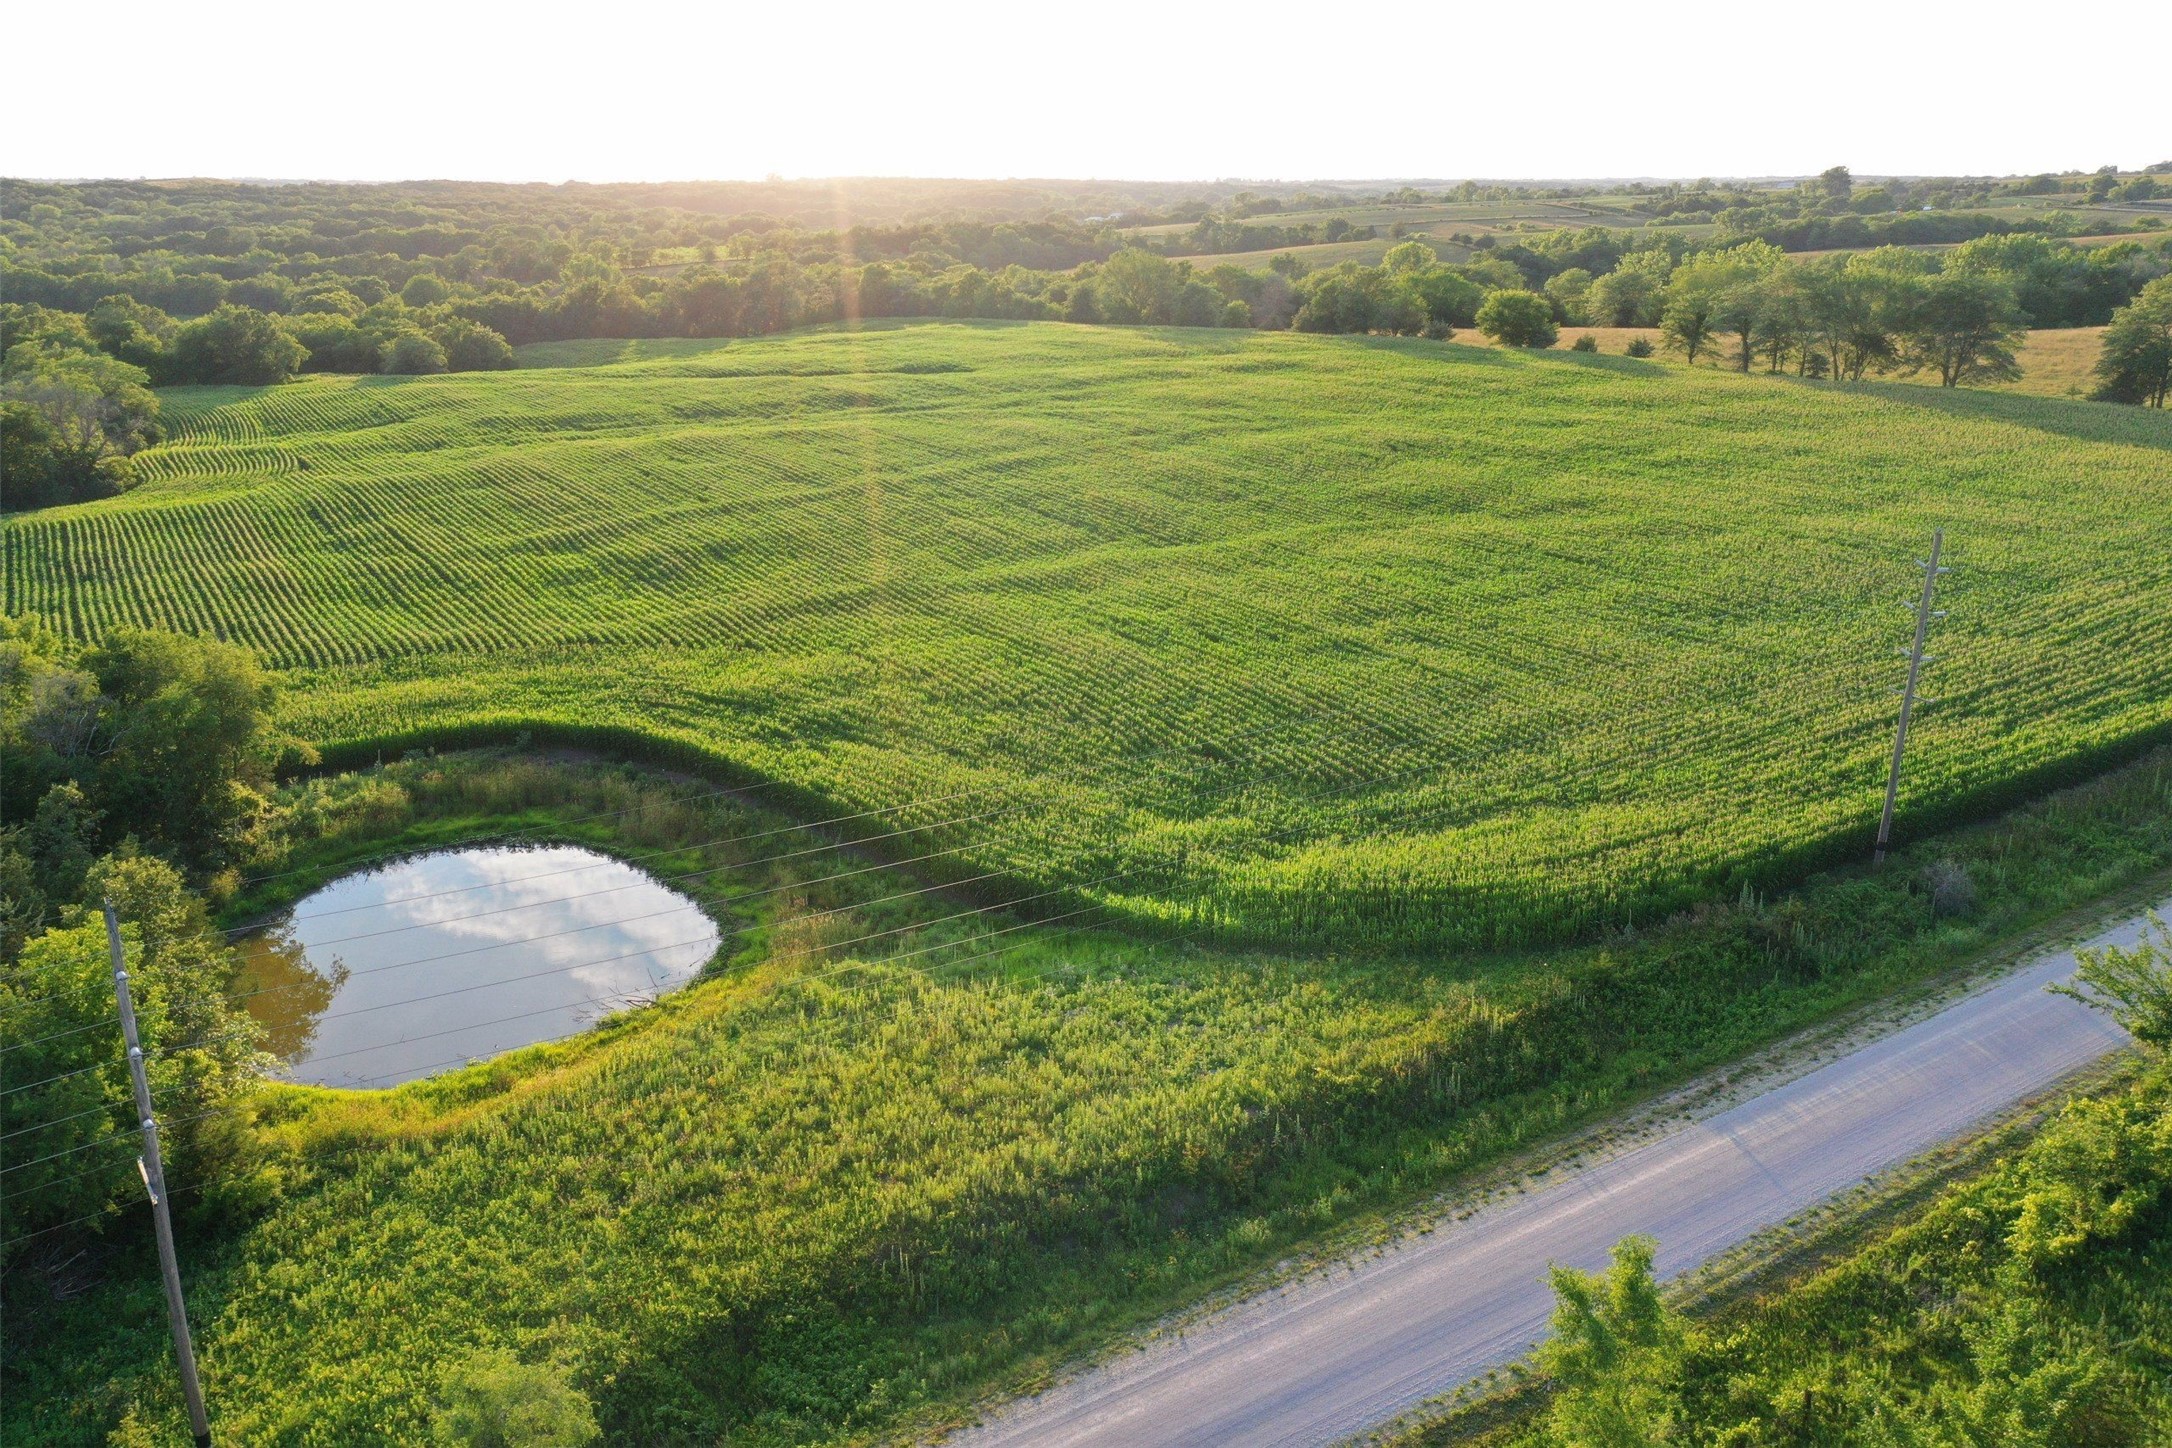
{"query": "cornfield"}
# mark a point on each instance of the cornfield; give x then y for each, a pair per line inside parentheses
(1429, 645)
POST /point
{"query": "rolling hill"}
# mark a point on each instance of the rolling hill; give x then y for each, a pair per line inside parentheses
(1320, 640)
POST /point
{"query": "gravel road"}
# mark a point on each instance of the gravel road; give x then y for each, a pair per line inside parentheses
(1355, 1345)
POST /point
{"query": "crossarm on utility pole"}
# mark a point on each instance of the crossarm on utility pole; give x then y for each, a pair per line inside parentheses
(153, 1167)
(1931, 570)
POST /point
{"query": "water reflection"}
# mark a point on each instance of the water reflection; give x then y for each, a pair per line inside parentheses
(392, 974)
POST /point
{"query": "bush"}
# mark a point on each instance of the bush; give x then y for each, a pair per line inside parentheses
(1517, 318)
(1639, 347)
(493, 1400)
(1585, 343)
(1951, 890)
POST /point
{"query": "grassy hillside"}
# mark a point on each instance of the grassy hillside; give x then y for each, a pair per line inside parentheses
(1451, 645)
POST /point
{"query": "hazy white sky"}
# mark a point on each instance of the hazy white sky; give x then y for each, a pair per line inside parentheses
(656, 91)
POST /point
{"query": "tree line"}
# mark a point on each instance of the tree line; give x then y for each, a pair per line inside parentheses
(233, 296)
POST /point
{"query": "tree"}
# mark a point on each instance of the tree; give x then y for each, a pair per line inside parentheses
(1624, 298)
(135, 333)
(1567, 290)
(1450, 299)
(1963, 328)
(493, 1400)
(184, 740)
(2135, 985)
(1848, 315)
(1835, 182)
(1410, 257)
(71, 420)
(336, 344)
(235, 345)
(1740, 311)
(424, 289)
(1517, 318)
(2135, 364)
(202, 1046)
(1614, 1353)
(1137, 286)
(471, 346)
(413, 354)
(1353, 298)
(1692, 316)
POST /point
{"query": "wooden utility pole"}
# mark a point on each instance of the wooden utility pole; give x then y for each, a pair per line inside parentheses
(153, 1168)
(1916, 661)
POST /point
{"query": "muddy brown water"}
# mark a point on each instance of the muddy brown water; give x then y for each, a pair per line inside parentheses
(402, 971)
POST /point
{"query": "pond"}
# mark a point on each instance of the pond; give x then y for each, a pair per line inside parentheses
(401, 971)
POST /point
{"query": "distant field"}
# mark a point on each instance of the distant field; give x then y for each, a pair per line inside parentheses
(1437, 644)
(2055, 361)
(1371, 250)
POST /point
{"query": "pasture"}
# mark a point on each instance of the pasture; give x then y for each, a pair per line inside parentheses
(1322, 641)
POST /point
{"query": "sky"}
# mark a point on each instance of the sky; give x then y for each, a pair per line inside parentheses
(1174, 91)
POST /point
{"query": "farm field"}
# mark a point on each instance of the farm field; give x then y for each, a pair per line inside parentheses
(1324, 641)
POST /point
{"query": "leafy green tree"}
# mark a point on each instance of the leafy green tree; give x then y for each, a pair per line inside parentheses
(235, 345)
(336, 344)
(2050, 279)
(471, 346)
(1615, 1353)
(1624, 298)
(329, 300)
(1450, 298)
(203, 1047)
(1517, 318)
(132, 331)
(184, 740)
(1704, 299)
(1739, 311)
(2135, 364)
(414, 353)
(1136, 286)
(1962, 327)
(493, 1400)
(424, 289)
(2135, 985)
(1354, 298)
(1568, 290)
(1409, 258)
(1847, 316)
(71, 420)
(169, 737)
